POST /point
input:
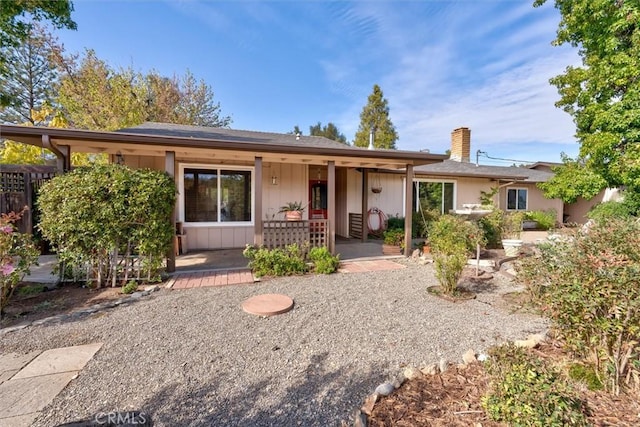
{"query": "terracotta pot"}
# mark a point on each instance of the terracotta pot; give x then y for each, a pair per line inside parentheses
(293, 215)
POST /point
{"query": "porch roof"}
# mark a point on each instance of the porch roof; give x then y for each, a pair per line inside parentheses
(218, 144)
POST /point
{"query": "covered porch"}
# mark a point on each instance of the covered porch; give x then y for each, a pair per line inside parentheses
(232, 183)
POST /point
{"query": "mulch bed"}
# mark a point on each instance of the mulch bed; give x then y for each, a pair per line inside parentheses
(63, 299)
(453, 398)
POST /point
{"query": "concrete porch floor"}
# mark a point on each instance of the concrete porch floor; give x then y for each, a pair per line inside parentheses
(228, 259)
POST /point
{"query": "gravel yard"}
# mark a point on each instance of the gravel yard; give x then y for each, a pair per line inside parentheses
(193, 357)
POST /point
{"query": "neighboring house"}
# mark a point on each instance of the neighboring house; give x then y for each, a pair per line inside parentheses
(456, 182)
(231, 182)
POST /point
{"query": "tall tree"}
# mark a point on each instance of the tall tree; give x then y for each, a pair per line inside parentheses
(328, 131)
(296, 131)
(94, 96)
(603, 94)
(15, 25)
(376, 115)
(196, 105)
(29, 82)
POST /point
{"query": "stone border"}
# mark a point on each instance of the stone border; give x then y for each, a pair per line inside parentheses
(84, 311)
(360, 416)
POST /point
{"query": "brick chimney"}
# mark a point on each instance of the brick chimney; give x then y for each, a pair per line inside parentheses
(461, 145)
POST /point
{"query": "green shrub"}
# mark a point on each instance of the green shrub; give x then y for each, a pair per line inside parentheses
(525, 391)
(546, 219)
(585, 374)
(609, 210)
(512, 225)
(130, 287)
(276, 262)
(491, 226)
(589, 286)
(395, 222)
(323, 261)
(394, 236)
(91, 214)
(451, 240)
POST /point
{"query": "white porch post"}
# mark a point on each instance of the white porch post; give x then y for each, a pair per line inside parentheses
(170, 168)
(257, 214)
(331, 204)
(408, 211)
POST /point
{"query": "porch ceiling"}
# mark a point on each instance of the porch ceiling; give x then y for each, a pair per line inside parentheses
(213, 150)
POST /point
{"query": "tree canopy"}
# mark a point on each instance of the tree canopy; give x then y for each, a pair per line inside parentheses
(15, 24)
(602, 95)
(376, 115)
(329, 131)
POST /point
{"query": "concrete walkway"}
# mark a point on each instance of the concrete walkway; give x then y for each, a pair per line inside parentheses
(29, 382)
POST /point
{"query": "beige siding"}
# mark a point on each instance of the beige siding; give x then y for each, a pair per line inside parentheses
(390, 201)
(220, 237)
(144, 162)
(292, 186)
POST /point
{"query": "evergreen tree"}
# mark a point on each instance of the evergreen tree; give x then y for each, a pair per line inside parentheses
(376, 115)
(329, 131)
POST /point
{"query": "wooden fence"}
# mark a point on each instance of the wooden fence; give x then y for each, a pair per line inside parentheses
(278, 234)
(19, 185)
(355, 225)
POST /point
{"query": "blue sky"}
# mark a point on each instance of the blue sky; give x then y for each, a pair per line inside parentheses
(484, 64)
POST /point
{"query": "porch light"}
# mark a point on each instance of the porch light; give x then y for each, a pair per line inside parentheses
(274, 180)
(119, 158)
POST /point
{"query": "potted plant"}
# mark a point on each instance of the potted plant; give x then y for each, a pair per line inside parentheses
(393, 243)
(292, 211)
(511, 229)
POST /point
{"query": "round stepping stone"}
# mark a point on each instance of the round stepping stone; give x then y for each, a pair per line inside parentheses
(268, 304)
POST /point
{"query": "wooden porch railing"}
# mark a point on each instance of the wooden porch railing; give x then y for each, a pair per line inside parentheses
(278, 234)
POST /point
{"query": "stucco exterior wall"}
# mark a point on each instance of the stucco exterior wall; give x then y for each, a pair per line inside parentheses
(577, 212)
(535, 200)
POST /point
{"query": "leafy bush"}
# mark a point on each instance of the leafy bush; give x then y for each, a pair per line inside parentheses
(609, 210)
(394, 236)
(451, 240)
(524, 391)
(395, 222)
(546, 219)
(276, 262)
(589, 285)
(512, 225)
(93, 214)
(491, 226)
(31, 290)
(130, 287)
(17, 254)
(323, 261)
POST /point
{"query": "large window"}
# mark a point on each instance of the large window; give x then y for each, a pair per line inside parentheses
(217, 195)
(517, 199)
(435, 195)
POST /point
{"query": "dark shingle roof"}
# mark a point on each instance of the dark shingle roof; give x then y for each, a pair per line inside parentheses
(452, 168)
(232, 135)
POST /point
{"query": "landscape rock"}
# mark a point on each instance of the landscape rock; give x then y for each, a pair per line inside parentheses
(412, 373)
(369, 403)
(532, 341)
(384, 389)
(415, 254)
(469, 357)
(443, 365)
(431, 369)
(397, 382)
(360, 419)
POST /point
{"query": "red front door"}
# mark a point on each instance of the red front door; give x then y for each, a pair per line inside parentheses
(318, 198)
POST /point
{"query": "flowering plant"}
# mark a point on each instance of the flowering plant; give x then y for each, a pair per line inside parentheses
(17, 254)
